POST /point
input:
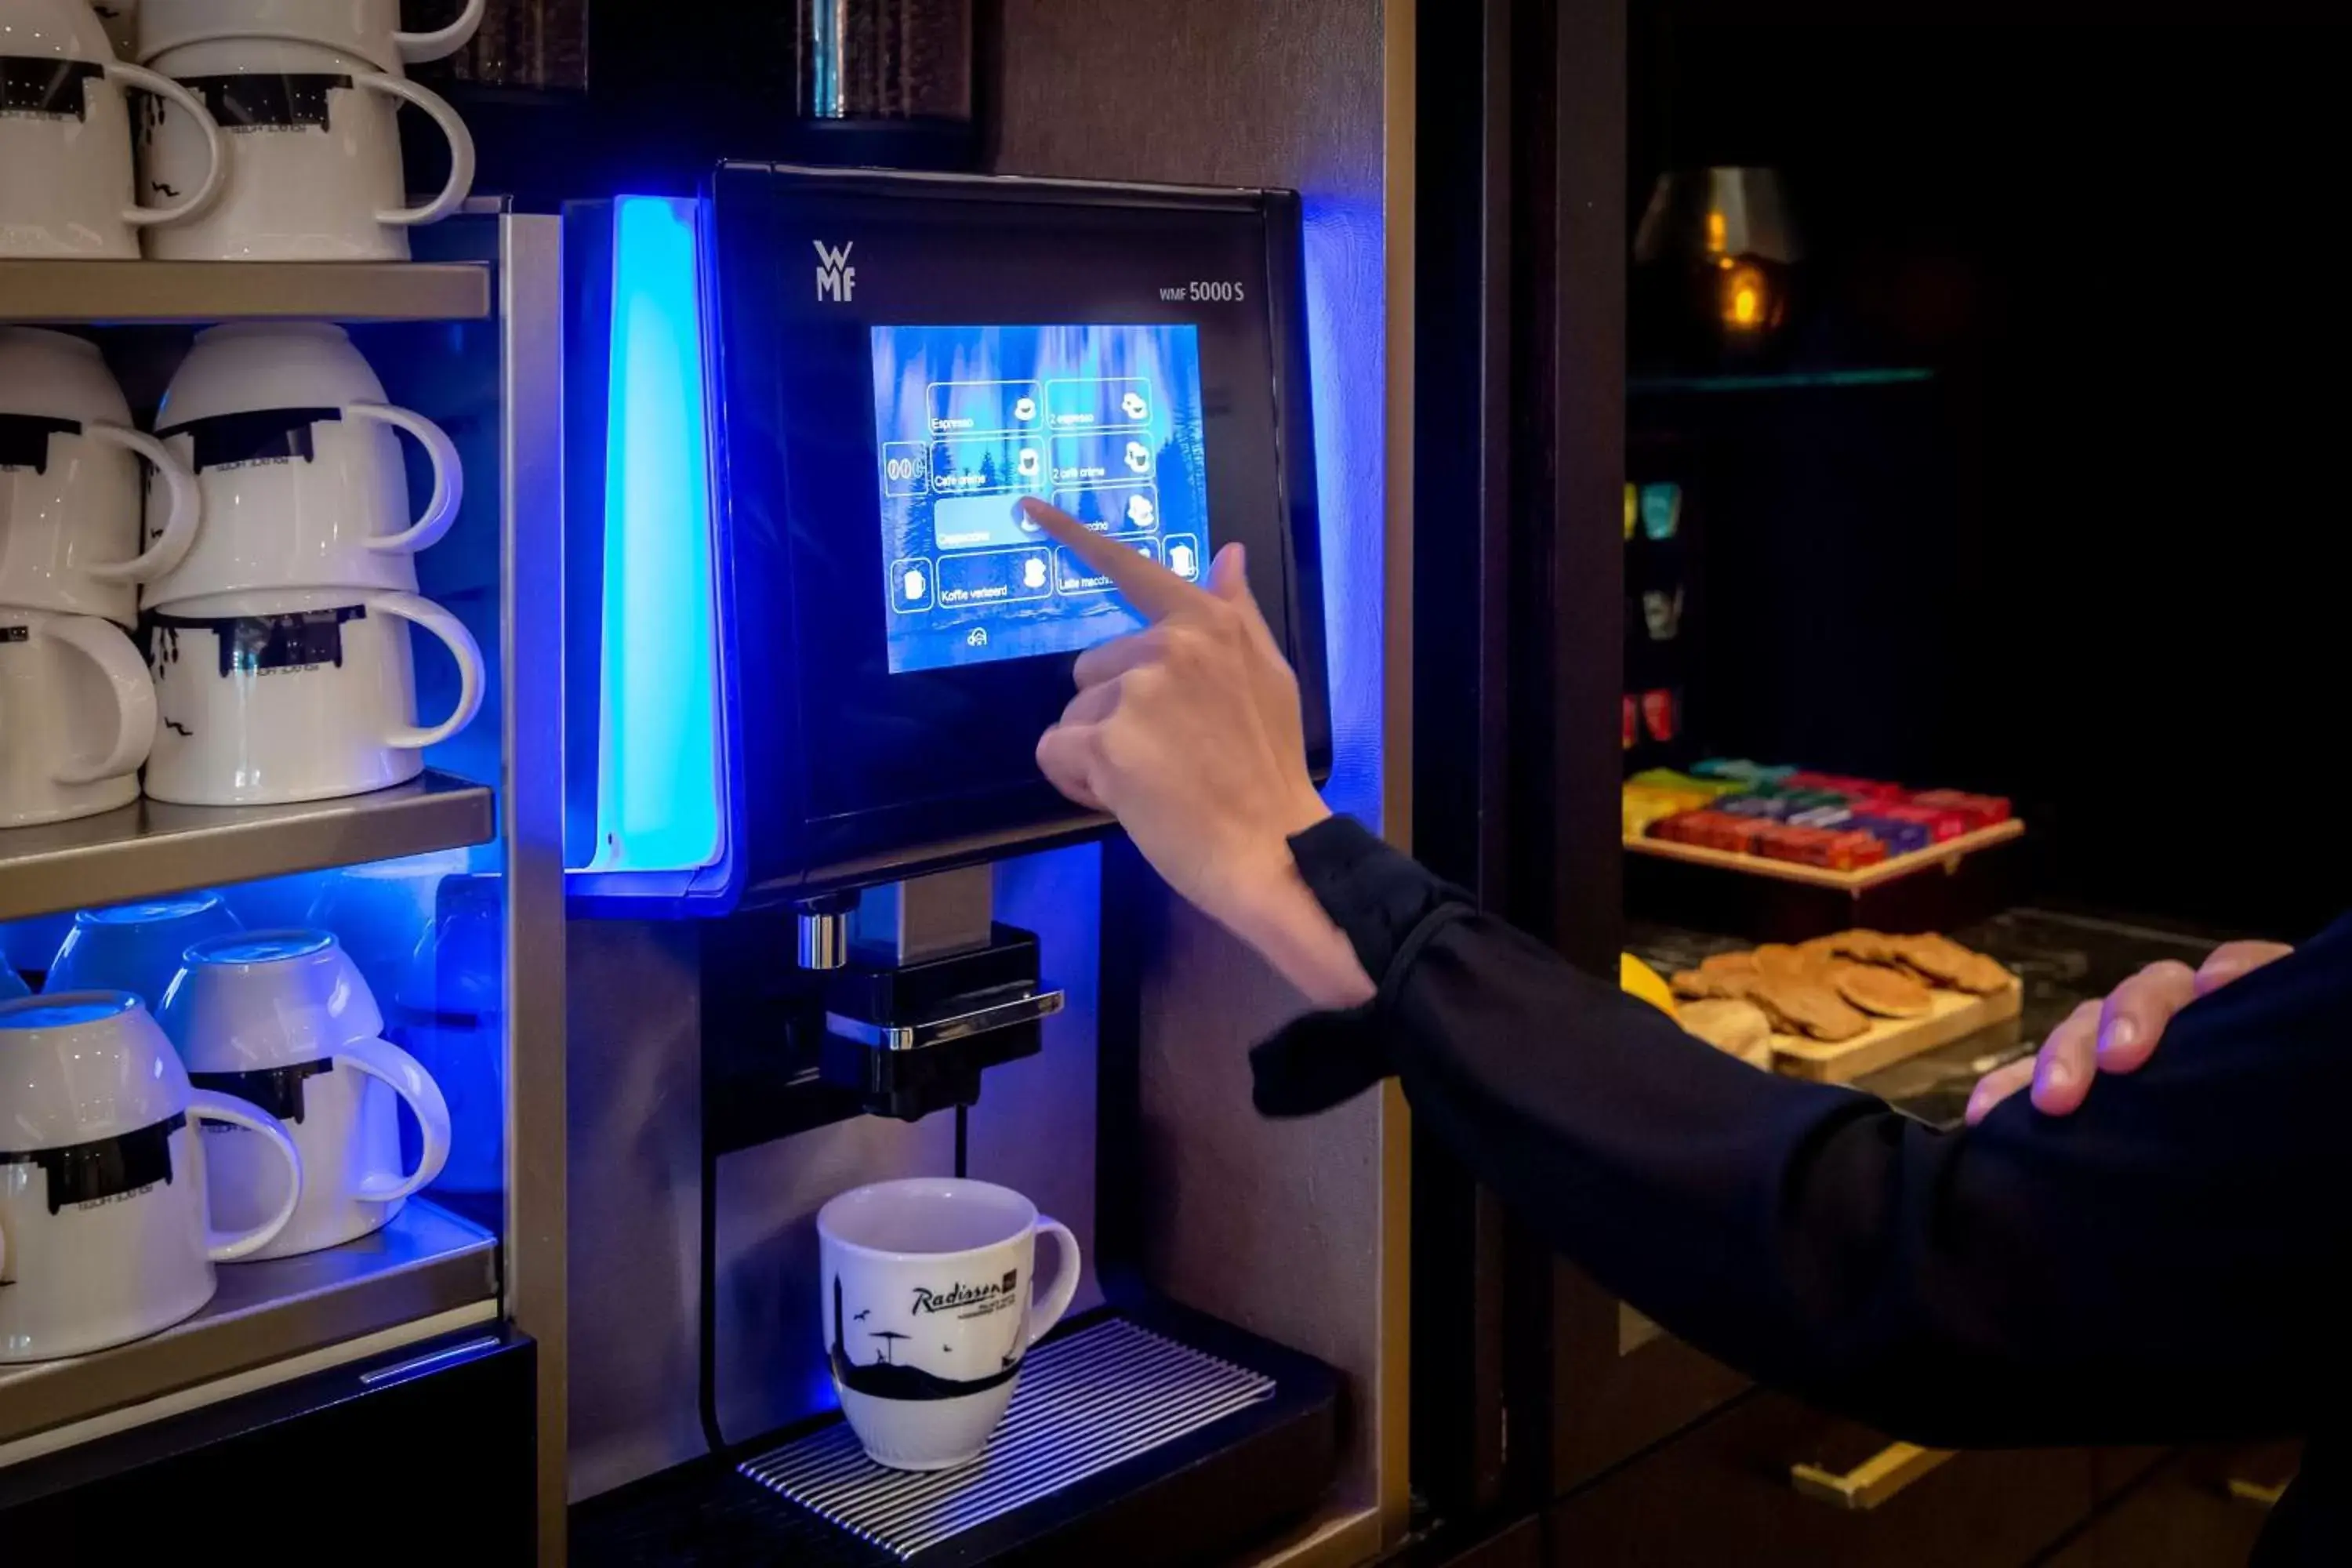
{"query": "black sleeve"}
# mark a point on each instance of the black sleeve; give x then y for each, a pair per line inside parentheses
(2157, 1268)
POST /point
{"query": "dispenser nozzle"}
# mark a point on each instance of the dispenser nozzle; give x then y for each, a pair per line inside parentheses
(825, 941)
(824, 931)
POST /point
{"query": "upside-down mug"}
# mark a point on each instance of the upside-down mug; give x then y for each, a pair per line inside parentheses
(313, 153)
(105, 1232)
(268, 699)
(66, 168)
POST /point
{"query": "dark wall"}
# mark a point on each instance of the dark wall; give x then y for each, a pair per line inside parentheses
(2099, 563)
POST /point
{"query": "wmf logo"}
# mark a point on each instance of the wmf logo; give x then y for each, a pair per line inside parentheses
(835, 279)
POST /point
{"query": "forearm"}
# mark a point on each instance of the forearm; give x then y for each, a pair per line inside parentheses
(1283, 921)
(1935, 1284)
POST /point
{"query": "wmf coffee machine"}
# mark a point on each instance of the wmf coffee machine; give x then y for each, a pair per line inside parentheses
(812, 647)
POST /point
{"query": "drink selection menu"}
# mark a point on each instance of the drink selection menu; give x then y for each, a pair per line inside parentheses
(1105, 421)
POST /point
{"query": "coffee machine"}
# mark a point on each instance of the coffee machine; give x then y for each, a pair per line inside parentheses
(811, 644)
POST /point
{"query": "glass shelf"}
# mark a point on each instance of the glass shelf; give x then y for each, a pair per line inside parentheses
(75, 289)
(149, 848)
(1784, 381)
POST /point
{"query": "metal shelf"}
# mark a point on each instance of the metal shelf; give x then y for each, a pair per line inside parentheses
(149, 848)
(100, 292)
(425, 1262)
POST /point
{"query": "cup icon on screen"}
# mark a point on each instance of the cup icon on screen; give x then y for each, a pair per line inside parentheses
(910, 585)
(1033, 573)
(1141, 512)
(1182, 562)
(1024, 408)
(1139, 457)
(1133, 406)
(1027, 462)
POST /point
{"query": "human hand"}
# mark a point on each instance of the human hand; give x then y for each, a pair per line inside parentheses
(1189, 733)
(2118, 1034)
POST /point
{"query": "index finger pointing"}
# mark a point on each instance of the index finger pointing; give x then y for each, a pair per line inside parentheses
(1154, 591)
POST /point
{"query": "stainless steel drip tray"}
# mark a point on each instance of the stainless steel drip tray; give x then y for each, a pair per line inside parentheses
(1085, 1403)
(1154, 1435)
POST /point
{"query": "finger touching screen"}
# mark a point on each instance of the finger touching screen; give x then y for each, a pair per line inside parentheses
(1103, 421)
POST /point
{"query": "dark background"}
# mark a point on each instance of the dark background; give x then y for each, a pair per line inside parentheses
(2093, 564)
(2097, 563)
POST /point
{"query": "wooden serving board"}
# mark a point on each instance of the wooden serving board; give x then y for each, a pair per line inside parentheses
(1955, 1014)
(1948, 853)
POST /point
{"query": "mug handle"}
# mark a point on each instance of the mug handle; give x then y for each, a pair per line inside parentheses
(170, 546)
(104, 644)
(449, 476)
(416, 48)
(146, 81)
(460, 644)
(1045, 1309)
(206, 1105)
(461, 148)
(406, 1076)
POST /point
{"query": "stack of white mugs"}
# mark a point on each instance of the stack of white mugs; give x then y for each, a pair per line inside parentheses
(233, 621)
(265, 130)
(267, 566)
(158, 1017)
(270, 587)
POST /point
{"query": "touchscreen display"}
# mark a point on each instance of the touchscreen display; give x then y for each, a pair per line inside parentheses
(1104, 422)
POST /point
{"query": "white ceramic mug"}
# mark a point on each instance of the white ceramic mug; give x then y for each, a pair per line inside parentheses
(283, 1019)
(104, 1233)
(30, 944)
(266, 699)
(137, 947)
(314, 159)
(70, 491)
(66, 180)
(382, 911)
(292, 447)
(368, 28)
(448, 1008)
(121, 19)
(77, 716)
(930, 1305)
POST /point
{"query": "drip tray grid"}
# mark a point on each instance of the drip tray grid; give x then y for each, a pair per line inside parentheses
(1085, 1403)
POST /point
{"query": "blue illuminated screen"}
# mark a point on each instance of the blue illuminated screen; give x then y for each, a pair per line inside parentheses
(1103, 421)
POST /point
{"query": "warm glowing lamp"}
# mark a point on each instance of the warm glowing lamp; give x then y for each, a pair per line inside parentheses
(1726, 230)
(1716, 214)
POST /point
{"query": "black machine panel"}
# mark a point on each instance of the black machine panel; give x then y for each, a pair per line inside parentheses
(896, 359)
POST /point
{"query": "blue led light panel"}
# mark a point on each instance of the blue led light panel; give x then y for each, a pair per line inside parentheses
(658, 797)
